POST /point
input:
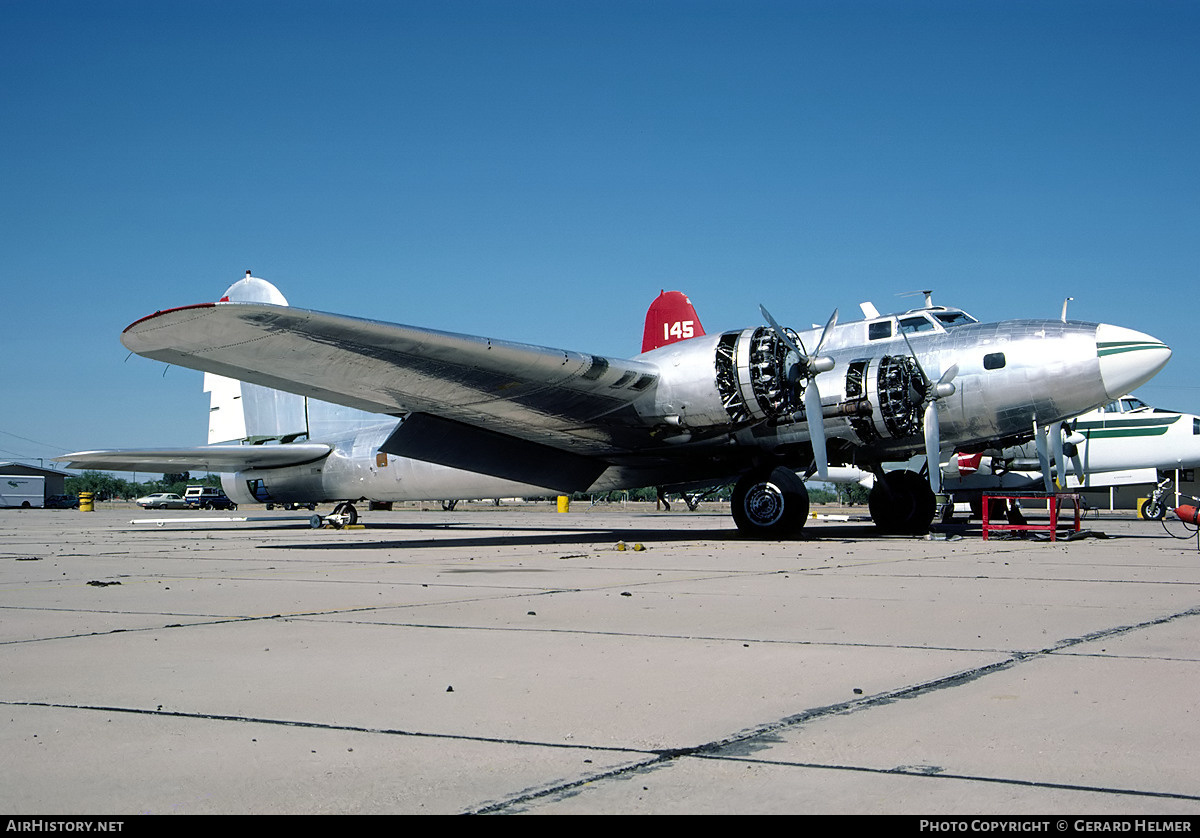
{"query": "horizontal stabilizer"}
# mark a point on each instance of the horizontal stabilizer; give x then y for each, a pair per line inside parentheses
(221, 458)
(449, 443)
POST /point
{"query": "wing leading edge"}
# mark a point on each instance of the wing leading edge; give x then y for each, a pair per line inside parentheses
(573, 401)
(222, 458)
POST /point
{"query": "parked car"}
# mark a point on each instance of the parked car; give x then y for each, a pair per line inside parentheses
(62, 502)
(207, 497)
(162, 500)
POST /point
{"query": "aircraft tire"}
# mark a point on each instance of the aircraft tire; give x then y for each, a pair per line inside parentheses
(902, 504)
(770, 503)
(1153, 512)
(349, 511)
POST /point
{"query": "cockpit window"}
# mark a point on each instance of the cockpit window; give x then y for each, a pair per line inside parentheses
(916, 324)
(954, 318)
(1128, 404)
(879, 330)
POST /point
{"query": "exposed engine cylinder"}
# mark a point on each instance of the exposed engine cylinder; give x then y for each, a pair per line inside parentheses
(895, 384)
(756, 375)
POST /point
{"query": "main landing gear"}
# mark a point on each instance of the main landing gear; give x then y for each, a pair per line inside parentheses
(773, 503)
(902, 504)
(343, 515)
(770, 503)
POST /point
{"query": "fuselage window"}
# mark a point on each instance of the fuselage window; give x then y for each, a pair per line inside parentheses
(993, 361)
(916, 324)
(954, 318)
(877, 331)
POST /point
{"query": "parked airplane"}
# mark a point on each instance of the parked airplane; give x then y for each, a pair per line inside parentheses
(1125, 435)
(510, 419)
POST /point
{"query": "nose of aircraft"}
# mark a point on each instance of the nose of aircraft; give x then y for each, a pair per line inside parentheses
(1128, 359)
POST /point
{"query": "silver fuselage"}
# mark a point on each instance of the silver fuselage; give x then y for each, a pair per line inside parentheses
(720, 407)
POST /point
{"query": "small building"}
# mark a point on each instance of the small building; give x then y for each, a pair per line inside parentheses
(54, 482)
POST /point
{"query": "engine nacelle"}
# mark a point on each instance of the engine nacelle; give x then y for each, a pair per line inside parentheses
(295, 484)
(731, 379)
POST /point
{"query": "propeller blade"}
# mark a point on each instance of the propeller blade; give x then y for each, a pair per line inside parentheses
(1072, 439)
(812, 364)
(916, 360)
(1077, 467)
(933, 446)
(825, 332)
(1056, 450)
(783, 336)
(1039, 440)
(816, 428)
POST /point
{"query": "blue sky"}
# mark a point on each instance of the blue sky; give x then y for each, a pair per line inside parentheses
(538, 171)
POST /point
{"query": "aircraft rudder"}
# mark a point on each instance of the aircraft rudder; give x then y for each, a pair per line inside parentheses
(239, 411)
(671, 318)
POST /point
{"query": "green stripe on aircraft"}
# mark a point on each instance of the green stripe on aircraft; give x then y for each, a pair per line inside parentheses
(1114, 433)
(1141, 422)
(1117, 428)
(1116, 347)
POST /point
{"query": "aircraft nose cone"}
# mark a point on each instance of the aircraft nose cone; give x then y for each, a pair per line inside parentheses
(1128, 359)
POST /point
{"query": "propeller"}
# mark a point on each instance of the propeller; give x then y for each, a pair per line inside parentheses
(1072, 439)
(931, 422)
(1055, 434)
(1063, 443)
(1042, 444)
(807, 367)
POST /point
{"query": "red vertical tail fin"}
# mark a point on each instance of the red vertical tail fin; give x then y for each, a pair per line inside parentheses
(671, 318)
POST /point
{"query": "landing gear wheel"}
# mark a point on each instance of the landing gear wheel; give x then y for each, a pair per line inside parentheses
(1152, 511)
(770, 503)
(344, 515)
(902, 504)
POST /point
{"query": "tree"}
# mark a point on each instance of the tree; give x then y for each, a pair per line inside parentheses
(102, 485)
(853, 493)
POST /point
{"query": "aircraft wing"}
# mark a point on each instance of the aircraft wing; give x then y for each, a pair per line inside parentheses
(466, 392)
(225, 458)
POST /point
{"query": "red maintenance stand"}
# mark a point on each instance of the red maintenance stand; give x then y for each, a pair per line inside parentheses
(1054, 500)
